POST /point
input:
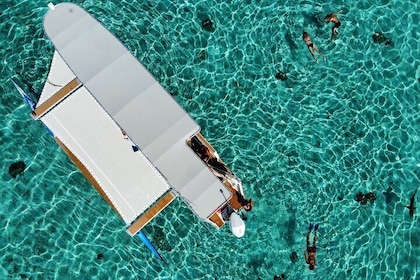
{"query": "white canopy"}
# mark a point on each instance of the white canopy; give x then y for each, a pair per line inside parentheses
(128, 179)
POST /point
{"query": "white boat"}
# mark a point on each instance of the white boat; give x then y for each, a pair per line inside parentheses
(128, 136)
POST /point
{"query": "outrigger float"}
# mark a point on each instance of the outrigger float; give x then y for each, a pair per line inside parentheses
(127, 135)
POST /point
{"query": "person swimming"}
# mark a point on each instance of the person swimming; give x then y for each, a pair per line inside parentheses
(311, 46)
(334, 19)
(310, 251)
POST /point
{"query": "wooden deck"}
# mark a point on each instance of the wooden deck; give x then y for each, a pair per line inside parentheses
(217, 219)
(151, 213)
(85, 172)
(233, 201)
(56, 98)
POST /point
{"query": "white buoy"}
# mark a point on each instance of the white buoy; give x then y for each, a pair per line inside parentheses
(237, 225)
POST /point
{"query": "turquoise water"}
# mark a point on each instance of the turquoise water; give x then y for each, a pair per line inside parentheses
(303, 147)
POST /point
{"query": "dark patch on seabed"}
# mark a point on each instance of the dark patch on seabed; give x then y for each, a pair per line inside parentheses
(17, 168)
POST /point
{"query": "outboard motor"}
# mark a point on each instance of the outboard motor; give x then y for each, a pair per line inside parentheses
(237, 225)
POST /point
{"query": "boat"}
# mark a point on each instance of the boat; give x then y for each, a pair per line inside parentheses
(135, 144)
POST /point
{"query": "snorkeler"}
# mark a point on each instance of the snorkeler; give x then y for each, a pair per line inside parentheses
(311, 46)
(310, 251)
(334, 19)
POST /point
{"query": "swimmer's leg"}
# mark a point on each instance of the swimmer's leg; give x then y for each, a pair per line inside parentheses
(316, 49)
(313, 54)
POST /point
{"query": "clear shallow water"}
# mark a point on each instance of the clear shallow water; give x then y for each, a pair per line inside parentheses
(303, 147)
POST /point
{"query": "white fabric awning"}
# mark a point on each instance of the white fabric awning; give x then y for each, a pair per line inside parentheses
(128, 179)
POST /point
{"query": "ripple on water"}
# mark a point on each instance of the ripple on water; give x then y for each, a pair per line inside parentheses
(303, 147)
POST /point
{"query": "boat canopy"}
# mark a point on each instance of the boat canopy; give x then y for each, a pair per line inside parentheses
(118, 93)
(127, 178)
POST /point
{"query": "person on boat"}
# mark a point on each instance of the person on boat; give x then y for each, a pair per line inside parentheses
(247, 204)
(213, 161)
(310, 251)
(197, 146)
(281, 277)
(205, 153)
(217, 165)
(133, 146)
(124, 134)
(334, 19)
(208, 157)
(311, 46)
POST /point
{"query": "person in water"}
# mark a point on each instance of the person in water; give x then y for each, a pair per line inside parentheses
(334, 19)
(311, 46)
(310, 251)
